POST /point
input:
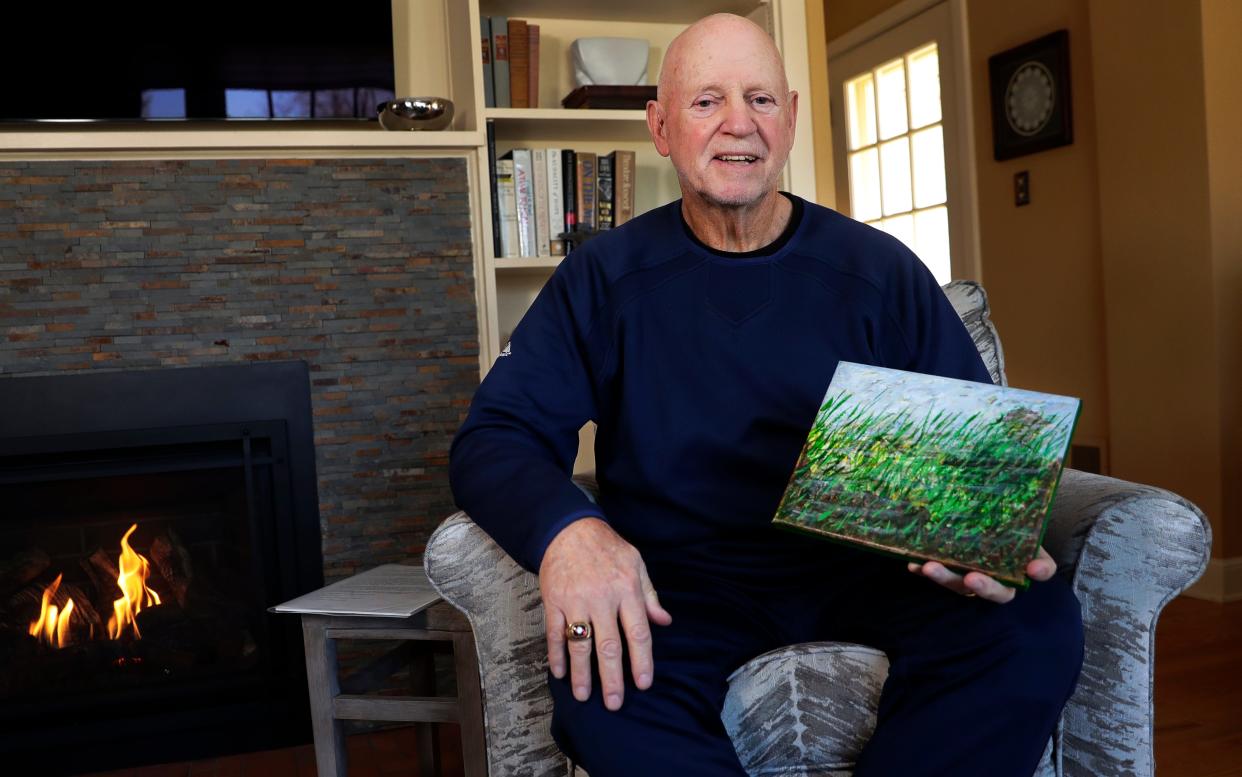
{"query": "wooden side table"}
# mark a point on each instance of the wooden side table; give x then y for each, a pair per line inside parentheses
(391, 602)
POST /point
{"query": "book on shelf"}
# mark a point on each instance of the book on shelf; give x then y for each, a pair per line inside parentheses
(569, 182)
(624, 173)
(539, 165)
(586, 189)
(524, 190)
(497, 249)
(519, 64)
(507, 208)
(533, 65)
(556, 202)
(489, 89)
(930, 468)
(603, 192)
(500, 60)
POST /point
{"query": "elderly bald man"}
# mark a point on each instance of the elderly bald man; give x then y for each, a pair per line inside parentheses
(701, 337)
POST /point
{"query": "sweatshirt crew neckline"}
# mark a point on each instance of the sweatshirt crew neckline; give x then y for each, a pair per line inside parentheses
(771, 249)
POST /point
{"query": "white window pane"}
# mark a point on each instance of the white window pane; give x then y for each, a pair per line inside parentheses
(860, 110)
(163, 103)
(929, 186)
(895, 175)
(245, 103)
(291, 105)
(865, 184)
(891, 87)
(931, 234)
(924, 86)
(900, 227)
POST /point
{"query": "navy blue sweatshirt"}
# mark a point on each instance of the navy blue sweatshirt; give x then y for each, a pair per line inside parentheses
(704, 371)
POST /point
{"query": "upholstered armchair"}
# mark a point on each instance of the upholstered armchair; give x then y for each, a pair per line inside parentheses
(808, 709)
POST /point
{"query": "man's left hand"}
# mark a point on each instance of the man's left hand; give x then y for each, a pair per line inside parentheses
(978, 584)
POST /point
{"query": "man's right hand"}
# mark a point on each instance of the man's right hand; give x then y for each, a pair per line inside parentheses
(589, 574)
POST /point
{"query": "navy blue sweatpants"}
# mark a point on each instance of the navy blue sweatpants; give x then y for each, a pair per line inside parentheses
(974, 688)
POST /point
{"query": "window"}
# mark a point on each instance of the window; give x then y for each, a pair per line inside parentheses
(896, 154)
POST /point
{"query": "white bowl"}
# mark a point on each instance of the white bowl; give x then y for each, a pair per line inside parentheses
(612, 61)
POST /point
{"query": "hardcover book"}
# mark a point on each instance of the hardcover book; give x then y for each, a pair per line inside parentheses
(931, 468)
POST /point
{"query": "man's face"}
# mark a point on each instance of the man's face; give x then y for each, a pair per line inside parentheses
(727, 99)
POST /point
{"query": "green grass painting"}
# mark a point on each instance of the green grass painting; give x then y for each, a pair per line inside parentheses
(932, 468)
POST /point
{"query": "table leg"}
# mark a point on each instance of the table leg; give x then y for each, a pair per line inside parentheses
(323, 685)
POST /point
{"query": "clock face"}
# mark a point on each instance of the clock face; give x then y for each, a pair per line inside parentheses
(1029, 98)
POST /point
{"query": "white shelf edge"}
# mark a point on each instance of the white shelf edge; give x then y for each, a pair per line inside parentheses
(526, 263)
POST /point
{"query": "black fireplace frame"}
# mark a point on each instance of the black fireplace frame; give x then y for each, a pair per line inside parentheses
(108, 410)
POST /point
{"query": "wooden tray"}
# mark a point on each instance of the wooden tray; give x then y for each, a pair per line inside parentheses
(601, 96)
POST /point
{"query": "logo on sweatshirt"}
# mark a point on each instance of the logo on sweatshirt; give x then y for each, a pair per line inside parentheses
(506, 351)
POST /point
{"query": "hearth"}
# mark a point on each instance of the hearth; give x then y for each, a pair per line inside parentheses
(147, 520)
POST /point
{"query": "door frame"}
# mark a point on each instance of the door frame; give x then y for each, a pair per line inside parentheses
(964, 183)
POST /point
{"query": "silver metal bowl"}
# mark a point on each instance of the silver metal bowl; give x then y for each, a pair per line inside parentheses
(415, 113)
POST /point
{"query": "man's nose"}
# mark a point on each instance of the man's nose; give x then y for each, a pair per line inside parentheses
(738, 119)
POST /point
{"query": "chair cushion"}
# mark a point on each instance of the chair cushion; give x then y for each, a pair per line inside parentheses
(807, 710)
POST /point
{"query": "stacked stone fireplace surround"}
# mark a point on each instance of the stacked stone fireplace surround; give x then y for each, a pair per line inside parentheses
(360, 267)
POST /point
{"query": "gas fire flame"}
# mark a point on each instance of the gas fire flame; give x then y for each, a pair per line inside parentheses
(132, 579)
(52, 627)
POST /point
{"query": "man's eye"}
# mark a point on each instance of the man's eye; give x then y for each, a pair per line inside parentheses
(763, 100)
(704, 103)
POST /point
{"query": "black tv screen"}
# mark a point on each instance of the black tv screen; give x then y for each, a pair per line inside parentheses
(221, 59)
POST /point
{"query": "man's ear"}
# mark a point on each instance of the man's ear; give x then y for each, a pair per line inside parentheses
(655, 125)
(793, 111)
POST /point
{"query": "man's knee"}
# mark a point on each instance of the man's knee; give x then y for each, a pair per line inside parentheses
(1046, 645)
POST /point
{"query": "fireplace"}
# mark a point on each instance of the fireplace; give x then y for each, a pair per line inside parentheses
(148, 519)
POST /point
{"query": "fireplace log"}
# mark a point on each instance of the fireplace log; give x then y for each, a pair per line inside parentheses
(106, 589)
(171, 563)
(106, 567)
(20, 568)
(29, 600)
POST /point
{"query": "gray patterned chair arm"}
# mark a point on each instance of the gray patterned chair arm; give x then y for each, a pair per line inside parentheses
(1127, 549)
(502, 602)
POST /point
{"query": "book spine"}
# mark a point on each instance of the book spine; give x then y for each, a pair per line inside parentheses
(533, 65)
(489, 88)
(500, 60)
(586, 190)
(556, 203)
(539, 169)
(507, 208)
(624, 172)
(569, 179)
(497, 248)
(603, 191)
(519, 64)
(525, 201)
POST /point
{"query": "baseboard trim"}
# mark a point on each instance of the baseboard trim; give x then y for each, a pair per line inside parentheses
(1221, 581)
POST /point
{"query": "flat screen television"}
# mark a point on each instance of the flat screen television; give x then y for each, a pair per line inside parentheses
(221, 59)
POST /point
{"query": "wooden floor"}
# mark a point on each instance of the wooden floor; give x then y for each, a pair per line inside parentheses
(1199, 689)
(1198, 713)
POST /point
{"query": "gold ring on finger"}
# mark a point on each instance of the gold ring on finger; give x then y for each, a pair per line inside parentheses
(578, 631)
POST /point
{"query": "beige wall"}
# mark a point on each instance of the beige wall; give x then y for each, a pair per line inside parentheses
(1156, 243)
(1040, 261)
(1222, 68)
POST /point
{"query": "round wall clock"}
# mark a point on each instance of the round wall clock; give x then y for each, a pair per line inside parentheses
(1031, 97)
